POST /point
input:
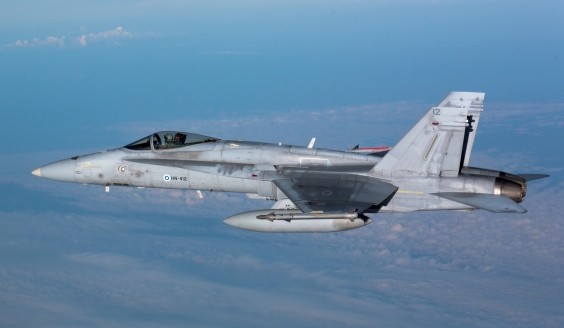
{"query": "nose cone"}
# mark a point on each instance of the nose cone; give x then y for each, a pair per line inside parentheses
(58, 171)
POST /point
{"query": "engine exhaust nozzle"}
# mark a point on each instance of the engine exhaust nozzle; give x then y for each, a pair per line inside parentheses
(514, 190)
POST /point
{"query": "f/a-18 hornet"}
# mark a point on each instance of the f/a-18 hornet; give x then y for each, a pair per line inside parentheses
(317, 190)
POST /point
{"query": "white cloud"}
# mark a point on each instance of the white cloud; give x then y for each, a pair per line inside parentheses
(83, 40)
(35, 42)
(114, 34)
(147, 252)
(397, 228)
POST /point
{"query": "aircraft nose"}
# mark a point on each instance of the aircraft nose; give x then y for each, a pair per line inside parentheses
(59, 171)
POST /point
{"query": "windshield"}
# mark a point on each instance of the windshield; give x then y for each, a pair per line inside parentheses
(169, 140)
(142, 144)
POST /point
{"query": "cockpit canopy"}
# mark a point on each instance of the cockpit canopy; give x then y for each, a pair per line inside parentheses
(168, 140)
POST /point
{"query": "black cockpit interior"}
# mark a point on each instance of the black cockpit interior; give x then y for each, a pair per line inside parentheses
(169, 140)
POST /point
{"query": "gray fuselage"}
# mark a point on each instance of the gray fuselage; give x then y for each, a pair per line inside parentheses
(239, 166)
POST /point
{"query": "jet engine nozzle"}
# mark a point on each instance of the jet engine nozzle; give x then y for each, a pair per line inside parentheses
(517, 179)
(502, 188)
(512, 189)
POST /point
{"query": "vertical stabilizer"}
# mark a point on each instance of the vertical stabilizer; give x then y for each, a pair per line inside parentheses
(440, 143)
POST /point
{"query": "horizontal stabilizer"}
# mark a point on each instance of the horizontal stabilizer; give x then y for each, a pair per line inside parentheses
(531, 177)
(488, 202)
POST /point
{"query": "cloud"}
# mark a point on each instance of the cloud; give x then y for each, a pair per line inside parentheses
(114, 34)
(84, 257)
(481, 271)
(83, 40)
(397, 228)
(35, 42)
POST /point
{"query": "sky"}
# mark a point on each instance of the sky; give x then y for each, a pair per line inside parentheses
(78, 77)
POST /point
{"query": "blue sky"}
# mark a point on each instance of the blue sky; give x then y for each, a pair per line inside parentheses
(98, 76)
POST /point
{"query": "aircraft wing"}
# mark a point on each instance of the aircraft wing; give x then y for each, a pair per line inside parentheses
(334, 192)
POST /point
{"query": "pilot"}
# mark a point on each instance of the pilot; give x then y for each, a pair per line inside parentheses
(179, 138)
(168, 139)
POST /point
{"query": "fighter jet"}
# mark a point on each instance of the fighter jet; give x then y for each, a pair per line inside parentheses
(316, 189)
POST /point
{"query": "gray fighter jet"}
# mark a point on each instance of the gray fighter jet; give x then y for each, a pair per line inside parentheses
(317, 190)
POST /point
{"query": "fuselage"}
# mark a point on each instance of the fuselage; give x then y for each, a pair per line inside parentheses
(236, 166)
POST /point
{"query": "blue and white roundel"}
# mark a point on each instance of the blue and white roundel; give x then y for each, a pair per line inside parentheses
(166, 177)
